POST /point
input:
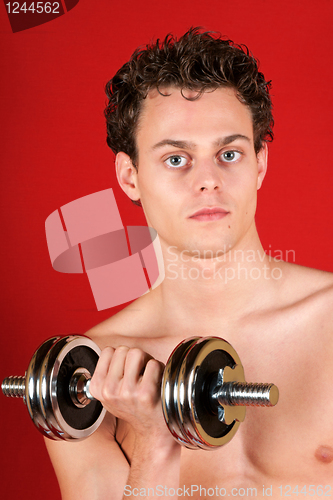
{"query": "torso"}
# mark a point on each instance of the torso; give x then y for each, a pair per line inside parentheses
(286, 450)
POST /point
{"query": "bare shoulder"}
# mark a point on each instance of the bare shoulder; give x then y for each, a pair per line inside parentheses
(304, 282)
(310, 290)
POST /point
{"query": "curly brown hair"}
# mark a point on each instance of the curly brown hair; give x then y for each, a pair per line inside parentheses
(197, 61)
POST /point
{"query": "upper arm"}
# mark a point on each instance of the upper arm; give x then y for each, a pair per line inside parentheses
(94, 468)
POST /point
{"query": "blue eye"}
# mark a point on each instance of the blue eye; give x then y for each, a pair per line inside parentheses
(230, 156)
(176, 161)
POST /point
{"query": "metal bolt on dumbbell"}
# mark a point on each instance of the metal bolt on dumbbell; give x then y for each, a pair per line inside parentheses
(14, 387)
(204, 393)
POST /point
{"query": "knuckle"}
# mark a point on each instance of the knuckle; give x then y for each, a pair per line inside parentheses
(149, 397)
(107, 350)
(107, 393)
(145, 398)
(127, 395)
(153, 363)
(136, 351)
(136, 354)
(155, 366)
(106, 353)
(120, 350)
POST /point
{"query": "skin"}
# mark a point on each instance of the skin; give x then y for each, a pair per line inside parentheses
(276, 315)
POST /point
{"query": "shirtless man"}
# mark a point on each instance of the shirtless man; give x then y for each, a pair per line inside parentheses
(189, 122)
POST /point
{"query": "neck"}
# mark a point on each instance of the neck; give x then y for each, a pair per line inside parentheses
(231, 284)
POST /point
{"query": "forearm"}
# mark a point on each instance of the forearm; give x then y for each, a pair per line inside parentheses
(127, 381)
(154, 464)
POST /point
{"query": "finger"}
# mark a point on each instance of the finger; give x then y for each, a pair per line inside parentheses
(101, 372)
(135, 364)
(116, 369)
(152, 377)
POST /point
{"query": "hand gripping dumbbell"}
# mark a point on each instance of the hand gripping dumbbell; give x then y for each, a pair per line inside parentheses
(203, 392)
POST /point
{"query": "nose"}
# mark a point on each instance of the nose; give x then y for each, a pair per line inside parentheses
(207, 177)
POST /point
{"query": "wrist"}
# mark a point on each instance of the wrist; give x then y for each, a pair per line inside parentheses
(161, 445)
(155, 463)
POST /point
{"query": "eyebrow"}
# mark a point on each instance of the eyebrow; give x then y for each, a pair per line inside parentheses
(175, 144)
(223, 141)
(231, 138)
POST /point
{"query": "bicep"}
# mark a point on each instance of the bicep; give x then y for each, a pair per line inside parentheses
(94, 468)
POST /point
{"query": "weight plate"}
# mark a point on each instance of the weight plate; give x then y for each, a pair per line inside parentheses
(32, 388)
(200, 418)
(64, 418)
(169, 391)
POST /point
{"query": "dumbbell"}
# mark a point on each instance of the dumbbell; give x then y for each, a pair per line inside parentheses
(203, 392)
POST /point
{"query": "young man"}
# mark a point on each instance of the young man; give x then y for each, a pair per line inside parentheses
(189, 122)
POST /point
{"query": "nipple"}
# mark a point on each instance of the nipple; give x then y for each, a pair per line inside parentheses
(324, 454)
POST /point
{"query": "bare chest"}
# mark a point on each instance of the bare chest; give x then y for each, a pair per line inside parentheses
(287, 445)
(274, 448)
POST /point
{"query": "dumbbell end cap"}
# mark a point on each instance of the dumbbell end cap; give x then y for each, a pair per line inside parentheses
(273, 395)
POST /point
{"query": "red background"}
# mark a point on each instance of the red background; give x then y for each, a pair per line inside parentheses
(53, 151)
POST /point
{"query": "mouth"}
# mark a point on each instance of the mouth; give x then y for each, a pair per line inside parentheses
(209, 214)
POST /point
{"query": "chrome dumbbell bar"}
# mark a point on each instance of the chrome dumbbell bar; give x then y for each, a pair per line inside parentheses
(204, 393)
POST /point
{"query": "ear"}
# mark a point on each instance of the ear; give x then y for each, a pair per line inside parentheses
(127, 176)
(262, 158)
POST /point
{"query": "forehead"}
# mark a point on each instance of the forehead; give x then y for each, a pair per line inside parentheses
(214, 114)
